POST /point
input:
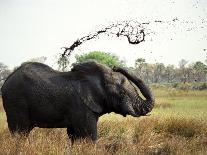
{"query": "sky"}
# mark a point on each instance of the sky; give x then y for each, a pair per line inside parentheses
(35, 28)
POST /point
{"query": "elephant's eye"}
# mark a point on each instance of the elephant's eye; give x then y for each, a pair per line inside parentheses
(122, 81)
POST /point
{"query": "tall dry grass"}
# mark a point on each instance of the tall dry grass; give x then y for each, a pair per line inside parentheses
(131, 136)
(160, 133)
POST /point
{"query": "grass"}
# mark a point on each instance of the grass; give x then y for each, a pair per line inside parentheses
(177, 125)
(183, 104)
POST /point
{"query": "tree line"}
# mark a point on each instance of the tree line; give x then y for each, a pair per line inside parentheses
(156, 72)
(186, 72)
(161, 73)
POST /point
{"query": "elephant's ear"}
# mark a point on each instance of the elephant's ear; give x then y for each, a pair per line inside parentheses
(89, 95)
(92, 87)
(90, 99)
(90, 92)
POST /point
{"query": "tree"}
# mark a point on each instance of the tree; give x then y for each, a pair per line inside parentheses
(41, 59)
(4, 73)
(140, 67)
(63, 63)
(101, 57)
(183, 73)
(159, 72)
(170, 73)
(200, 71)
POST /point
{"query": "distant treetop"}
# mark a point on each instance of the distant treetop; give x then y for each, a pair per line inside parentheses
(101, 57)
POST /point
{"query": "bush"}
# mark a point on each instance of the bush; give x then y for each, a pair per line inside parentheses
(190, 86)
(108, 59)
(200, 86)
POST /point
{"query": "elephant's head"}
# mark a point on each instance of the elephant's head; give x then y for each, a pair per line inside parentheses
(125, 87)
(119, 90)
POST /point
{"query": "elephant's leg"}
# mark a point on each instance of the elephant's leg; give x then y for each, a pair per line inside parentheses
(19, 124)
(84, 129)
(18, 117)
(81, 134)
(71, 134)
(18, 120)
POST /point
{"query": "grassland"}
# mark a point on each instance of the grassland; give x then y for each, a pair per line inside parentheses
(177, 125)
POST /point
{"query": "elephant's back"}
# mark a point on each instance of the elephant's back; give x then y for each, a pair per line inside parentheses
(35, 69)
(31, 71)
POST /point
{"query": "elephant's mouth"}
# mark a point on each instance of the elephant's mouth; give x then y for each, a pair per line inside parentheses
(131, 113)
(130, 107)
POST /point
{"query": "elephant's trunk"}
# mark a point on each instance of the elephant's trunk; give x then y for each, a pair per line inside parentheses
(142, 107)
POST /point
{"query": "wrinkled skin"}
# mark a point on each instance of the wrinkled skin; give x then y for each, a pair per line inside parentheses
(35, 95)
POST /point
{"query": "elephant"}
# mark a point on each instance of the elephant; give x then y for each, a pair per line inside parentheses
(35, 95)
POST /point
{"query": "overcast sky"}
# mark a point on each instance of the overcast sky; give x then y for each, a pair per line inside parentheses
(34, 28)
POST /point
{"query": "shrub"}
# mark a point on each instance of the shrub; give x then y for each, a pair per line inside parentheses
(190, 86)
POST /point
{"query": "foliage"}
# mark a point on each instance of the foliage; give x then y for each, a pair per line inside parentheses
(141, 67)
(63, 63)
(159, 73)
(182, 86)
(199, 66)
(101, 57)
(41, 59)
(4, 73)
(191, 86)
(139, 62)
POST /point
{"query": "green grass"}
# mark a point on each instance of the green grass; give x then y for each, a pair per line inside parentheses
(183, 104)
(177, 125)
(2, 117)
